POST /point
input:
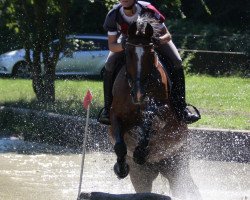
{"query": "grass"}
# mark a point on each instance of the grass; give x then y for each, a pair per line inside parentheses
(223, 101)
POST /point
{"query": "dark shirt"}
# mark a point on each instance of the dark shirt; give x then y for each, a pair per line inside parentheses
(115, 22)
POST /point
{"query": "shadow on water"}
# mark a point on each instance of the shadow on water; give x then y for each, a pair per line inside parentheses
(68, 141)
(221, 146)
(19, 146)
(204, 145)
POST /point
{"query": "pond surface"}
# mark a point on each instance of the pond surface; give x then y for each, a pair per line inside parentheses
(31, 171)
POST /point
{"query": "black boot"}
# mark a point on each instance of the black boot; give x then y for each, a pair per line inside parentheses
(104, 117)
(178, 98)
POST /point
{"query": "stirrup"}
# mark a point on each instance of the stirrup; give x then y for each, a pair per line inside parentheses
(101, 119)
(195, 109)
(194, 117)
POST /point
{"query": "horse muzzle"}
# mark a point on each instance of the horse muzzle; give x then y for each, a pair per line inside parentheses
(137, 94)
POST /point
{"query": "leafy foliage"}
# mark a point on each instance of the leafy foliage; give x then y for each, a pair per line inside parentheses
(88, 15)
(36, 23)
(190, 35)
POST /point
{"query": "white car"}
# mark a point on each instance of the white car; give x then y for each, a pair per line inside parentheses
(83, 55)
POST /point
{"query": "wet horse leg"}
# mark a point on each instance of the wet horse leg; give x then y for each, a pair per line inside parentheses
(121, 168)
(141, 151)
(176, 170)
(142, 176)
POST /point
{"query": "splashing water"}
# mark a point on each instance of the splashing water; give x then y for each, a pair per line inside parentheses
(38, 171)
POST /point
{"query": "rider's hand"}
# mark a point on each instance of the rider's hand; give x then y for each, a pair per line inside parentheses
(123, 42)
(162, 39)
(165, 38)
(156, 41)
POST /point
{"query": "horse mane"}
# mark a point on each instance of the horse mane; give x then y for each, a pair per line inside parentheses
(147, 18)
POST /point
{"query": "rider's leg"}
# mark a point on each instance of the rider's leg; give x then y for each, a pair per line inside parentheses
(178, 97)
(107, 88)
(169, 51)
(108, 81)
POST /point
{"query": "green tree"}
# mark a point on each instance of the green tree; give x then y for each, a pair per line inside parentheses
(89, 16)
(37, 23)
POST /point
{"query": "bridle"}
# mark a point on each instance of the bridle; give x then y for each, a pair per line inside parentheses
(139, 45)
(146, 80)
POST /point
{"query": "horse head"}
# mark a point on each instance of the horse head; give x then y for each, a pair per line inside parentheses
(140, 57)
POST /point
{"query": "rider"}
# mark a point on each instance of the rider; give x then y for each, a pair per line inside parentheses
(116, 24)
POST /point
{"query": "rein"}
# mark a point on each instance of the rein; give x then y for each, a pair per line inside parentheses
(140, 45)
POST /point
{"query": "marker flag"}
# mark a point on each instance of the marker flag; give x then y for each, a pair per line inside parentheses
(87, 99)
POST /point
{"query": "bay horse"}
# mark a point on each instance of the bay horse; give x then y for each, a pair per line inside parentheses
(148, 138)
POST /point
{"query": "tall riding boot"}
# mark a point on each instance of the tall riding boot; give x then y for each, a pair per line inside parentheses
(104, 117)
(178, 98)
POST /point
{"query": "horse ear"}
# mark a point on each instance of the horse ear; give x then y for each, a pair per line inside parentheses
(149, 31)
(132, 29)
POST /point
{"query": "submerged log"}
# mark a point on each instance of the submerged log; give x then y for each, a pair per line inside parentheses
(107, 196)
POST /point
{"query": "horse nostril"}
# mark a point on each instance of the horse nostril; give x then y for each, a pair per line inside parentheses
(134, 98)
(136, 103)
(139, 96)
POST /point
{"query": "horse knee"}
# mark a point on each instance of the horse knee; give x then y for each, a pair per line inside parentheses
(140, 155)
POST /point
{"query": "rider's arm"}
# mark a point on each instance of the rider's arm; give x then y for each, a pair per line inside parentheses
(113, 45)
(110, 25)
(166, 36)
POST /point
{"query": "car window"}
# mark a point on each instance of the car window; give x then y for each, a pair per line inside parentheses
(101, 44)
(79, 44)
(76, 44)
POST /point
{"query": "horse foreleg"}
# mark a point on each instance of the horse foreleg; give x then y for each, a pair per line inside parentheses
(141, 151)
(121, 168)
(142, 176)
(181, 182)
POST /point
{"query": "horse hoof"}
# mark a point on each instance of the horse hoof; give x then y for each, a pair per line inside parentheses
(140, 155)
(121, 170)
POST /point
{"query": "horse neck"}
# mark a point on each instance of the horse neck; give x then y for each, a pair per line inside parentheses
(161, 76)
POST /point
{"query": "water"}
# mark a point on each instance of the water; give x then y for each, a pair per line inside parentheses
(30, 171)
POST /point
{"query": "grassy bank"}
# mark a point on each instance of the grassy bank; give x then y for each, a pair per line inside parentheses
(223, 102)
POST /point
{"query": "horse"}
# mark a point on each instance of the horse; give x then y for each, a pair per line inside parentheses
(148, 138)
